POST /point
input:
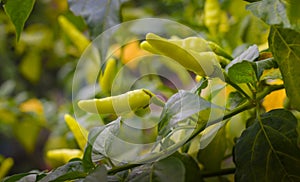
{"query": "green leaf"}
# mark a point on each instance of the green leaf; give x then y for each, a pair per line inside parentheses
(264, 65)
(272, 74)
(69, 171)
(179, 107)
(273, 12)
(285, 46)
(192, 170)
(212, 155)
(92, 137)
(248, 55)
(242, 72)
(98, 14)
(87, 158)
(168, 169)
(235, 99)
(30, 128)
(293, 12)
(202, 84)
(98, 174)
(267, 150)
(18, 12)
(31, 66)
(17, 177)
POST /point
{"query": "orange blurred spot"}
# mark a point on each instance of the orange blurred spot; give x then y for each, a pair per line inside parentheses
(274, 100)
(32, 105)
(130, 52)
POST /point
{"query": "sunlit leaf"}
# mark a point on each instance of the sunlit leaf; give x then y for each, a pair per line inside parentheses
(248, 55)
(242, 72)
(271, 74)
(267, 150)
(274, 100)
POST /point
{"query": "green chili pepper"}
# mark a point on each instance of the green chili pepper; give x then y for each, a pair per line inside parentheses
(124, 103)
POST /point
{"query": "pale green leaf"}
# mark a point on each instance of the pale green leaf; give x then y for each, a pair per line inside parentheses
(98, 14)
(180, 107)
(248, 55)
(98, 174)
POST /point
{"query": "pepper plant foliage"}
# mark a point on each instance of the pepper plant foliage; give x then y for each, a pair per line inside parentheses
(250, 141)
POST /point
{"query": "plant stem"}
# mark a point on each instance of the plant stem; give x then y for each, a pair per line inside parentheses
(219, 173)
(268, 90)
(249, 104)
(122, 168)
(245, 106)
(227, 80)
(220, 51)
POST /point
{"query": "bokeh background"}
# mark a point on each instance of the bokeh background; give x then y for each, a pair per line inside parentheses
(36, 72)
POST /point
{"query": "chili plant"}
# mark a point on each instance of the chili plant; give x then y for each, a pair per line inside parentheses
(195, 137)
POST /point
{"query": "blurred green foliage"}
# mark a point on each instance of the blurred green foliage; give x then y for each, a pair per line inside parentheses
(37, 71)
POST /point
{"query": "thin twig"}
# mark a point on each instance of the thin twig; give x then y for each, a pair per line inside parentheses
(218, 173)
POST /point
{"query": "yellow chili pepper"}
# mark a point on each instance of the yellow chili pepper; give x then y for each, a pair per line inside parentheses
(212, 12)
(63, 155)
(187, 52)
(80, 41)
(130, 101)
(107, 76)
(5, 166)
(79, 132)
